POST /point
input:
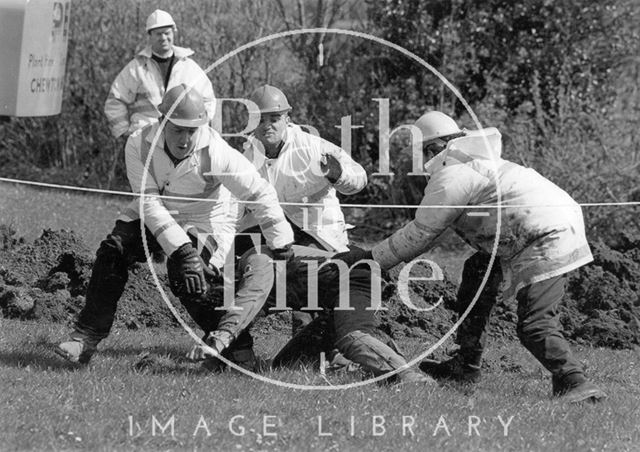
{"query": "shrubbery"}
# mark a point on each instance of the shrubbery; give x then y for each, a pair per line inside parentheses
(559, 79)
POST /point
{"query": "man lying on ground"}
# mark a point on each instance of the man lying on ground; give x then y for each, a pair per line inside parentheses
(352, 331)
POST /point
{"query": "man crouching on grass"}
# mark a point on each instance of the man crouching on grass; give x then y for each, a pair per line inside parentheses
(541, 237)
(192, 185)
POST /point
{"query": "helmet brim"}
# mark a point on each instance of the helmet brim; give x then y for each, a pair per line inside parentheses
(276, 110)
(189, 122)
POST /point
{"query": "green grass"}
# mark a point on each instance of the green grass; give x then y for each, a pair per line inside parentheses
(49, 404)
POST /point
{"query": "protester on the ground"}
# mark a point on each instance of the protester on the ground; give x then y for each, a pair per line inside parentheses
(351, 331)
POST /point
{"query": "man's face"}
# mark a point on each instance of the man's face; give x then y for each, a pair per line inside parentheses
(272, 127)
(433, 147)
(180, 140)
(161, 40)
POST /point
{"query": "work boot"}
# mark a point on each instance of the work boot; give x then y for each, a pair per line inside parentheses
(576, 391)
(244, 357)
(78, 349)
(455, 368)
(411, 375)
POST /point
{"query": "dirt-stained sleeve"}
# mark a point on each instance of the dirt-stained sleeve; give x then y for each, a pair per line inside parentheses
(449, 188)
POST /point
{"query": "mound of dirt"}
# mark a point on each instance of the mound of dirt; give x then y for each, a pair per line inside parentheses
(603, 306)
(433, 313)
(47, 280)
(424, 311)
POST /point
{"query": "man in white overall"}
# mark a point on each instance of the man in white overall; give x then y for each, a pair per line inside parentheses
(541, 238)
(193, 182)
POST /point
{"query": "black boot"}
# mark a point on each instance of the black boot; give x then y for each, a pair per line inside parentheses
(240, 352)
(457, 368)
(464, 366)
(575, 390)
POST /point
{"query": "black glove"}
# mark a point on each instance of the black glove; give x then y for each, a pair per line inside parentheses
(186, 271)
(213, 275)
(354, 255)
(282, 254)
(331, 168)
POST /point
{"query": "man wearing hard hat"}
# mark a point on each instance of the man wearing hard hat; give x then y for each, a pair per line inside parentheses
(540, 237)
(191, 180)
(138, 89)
(304, 169)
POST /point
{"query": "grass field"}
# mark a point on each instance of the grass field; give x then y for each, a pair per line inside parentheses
(49, 404)
(173, 404)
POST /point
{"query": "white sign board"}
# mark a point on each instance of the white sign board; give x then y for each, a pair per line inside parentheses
(34, 36)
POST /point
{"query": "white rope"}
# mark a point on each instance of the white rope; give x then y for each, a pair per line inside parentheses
(362, 206)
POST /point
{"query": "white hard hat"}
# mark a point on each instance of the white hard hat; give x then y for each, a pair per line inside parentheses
(435, 124)
(159, 19)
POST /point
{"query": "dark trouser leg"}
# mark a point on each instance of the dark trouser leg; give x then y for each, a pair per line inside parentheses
(299, 320)
(253, 285)
(109, 275)
(472, 333)
(243, 241)
(203, 313)
(305, 347)
(354, 331)
(330, 326)
(254, 280)
(540, 332)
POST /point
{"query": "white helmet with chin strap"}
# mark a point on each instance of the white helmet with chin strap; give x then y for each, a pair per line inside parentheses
(436, 124)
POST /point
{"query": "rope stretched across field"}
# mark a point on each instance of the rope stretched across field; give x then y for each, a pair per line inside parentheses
(361, 206)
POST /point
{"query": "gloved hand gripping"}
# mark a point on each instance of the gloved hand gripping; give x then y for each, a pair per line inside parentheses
(186, 271)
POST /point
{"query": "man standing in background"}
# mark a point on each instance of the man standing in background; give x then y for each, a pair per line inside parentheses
(139, 88)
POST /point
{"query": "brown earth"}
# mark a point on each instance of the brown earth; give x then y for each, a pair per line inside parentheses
(47, 279)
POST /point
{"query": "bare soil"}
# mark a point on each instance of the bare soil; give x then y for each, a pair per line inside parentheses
(47, 279)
